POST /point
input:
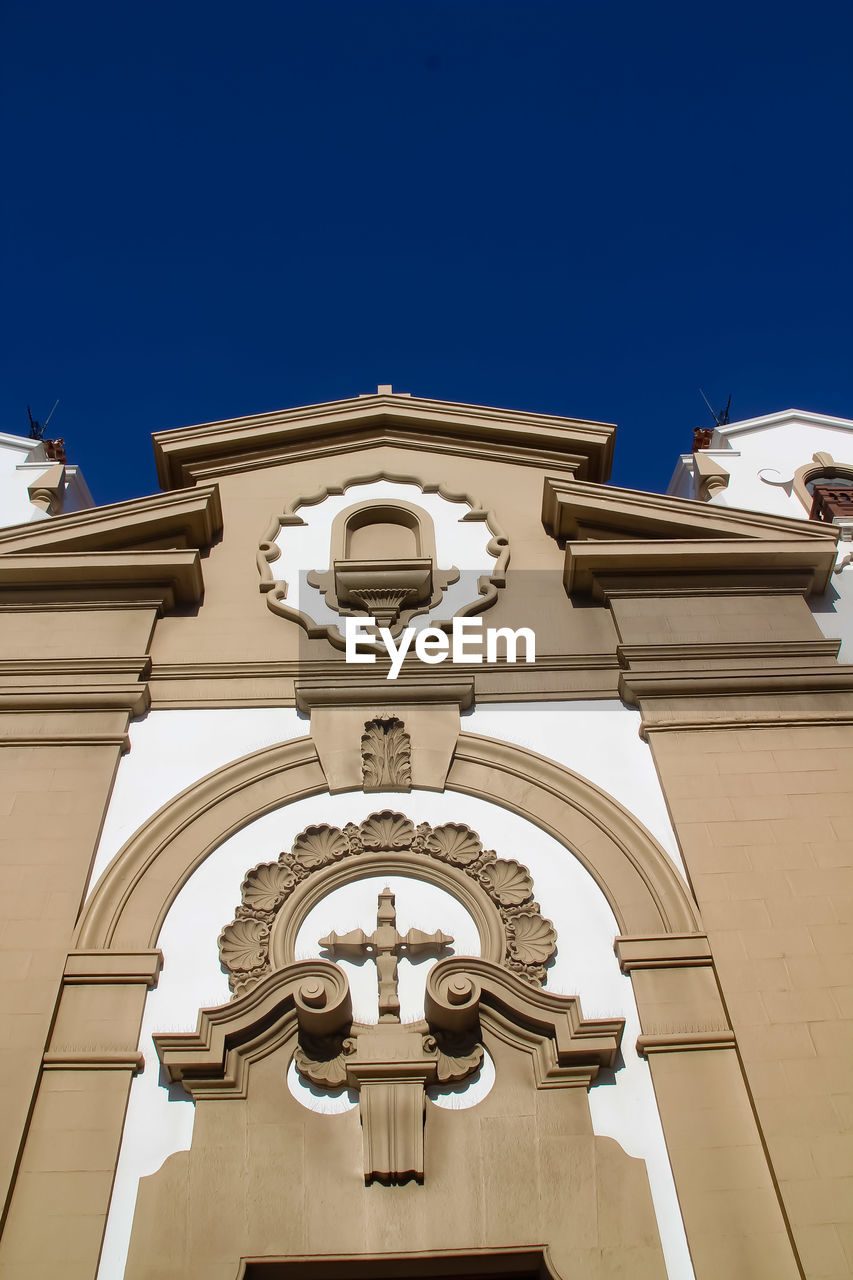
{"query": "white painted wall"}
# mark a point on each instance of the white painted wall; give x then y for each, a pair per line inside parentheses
(22, 461)
(170, 750)
(585, 965)
(761, 456)
(600, 740)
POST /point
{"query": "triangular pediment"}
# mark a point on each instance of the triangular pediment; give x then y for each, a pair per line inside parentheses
(189, 454)
(188, 519)
(616, 534)
(149, 545)
(577, 511)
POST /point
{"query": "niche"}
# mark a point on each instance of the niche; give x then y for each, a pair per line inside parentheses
(383, 563)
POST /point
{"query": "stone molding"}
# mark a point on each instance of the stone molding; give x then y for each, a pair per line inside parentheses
(393, 589)
(413, 422)
(700, 682)
(662, 951)
(524, 941)
(709, 476)
(745, 710)
(821, 464)
(685, 1042)
(128, 905)
(213, 1061)
(168, 577)
(599, 568)
(777, 653)
(573, 510)
(106, 552)
(271, 684)
(48, 491)
(370, 692)
(524, 782)
(465, 888)
(113, 967)
(71, 702)
(462, 990)
(72, 738)
(86, 1060)
(429, 730)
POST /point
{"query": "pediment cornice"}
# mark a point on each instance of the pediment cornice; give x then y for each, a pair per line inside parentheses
(190, 518)
(148, 547)
(188, 454)
(573, 510)
(617, 537)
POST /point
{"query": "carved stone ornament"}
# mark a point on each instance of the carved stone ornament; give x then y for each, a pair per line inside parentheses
(530, 941)
(391, 1064)
(394, 589)
(386, 755)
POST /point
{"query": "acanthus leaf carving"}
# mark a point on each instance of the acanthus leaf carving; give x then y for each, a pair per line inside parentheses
(386, 753)
(322, 1059)
(456, 1057)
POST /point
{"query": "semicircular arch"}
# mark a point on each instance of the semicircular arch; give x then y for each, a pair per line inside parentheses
(128, 905)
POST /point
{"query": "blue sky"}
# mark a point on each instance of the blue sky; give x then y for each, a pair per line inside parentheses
(214, 210)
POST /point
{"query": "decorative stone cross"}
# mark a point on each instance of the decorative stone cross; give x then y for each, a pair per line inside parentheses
(386, 945)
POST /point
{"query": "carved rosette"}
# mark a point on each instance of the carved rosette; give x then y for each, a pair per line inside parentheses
(531, 940)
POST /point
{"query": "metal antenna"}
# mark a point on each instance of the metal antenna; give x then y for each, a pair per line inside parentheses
(721, 418)
(37, 429)
(53, 411)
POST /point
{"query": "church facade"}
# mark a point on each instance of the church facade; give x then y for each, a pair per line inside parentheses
(421, 858)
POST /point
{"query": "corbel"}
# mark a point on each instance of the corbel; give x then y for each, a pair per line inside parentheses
(48, 491)
(711, 478)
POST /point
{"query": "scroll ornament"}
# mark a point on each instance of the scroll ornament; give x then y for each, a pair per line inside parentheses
(531, 940)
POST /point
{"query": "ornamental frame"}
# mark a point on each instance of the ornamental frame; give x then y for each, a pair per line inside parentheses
(275, 589)
(276, 896)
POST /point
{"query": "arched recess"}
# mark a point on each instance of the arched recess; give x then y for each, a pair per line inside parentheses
(129, 904)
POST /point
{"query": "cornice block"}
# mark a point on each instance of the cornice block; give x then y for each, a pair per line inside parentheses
(379, 693)
(169, 577)
(113, 967)
(662, 951)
